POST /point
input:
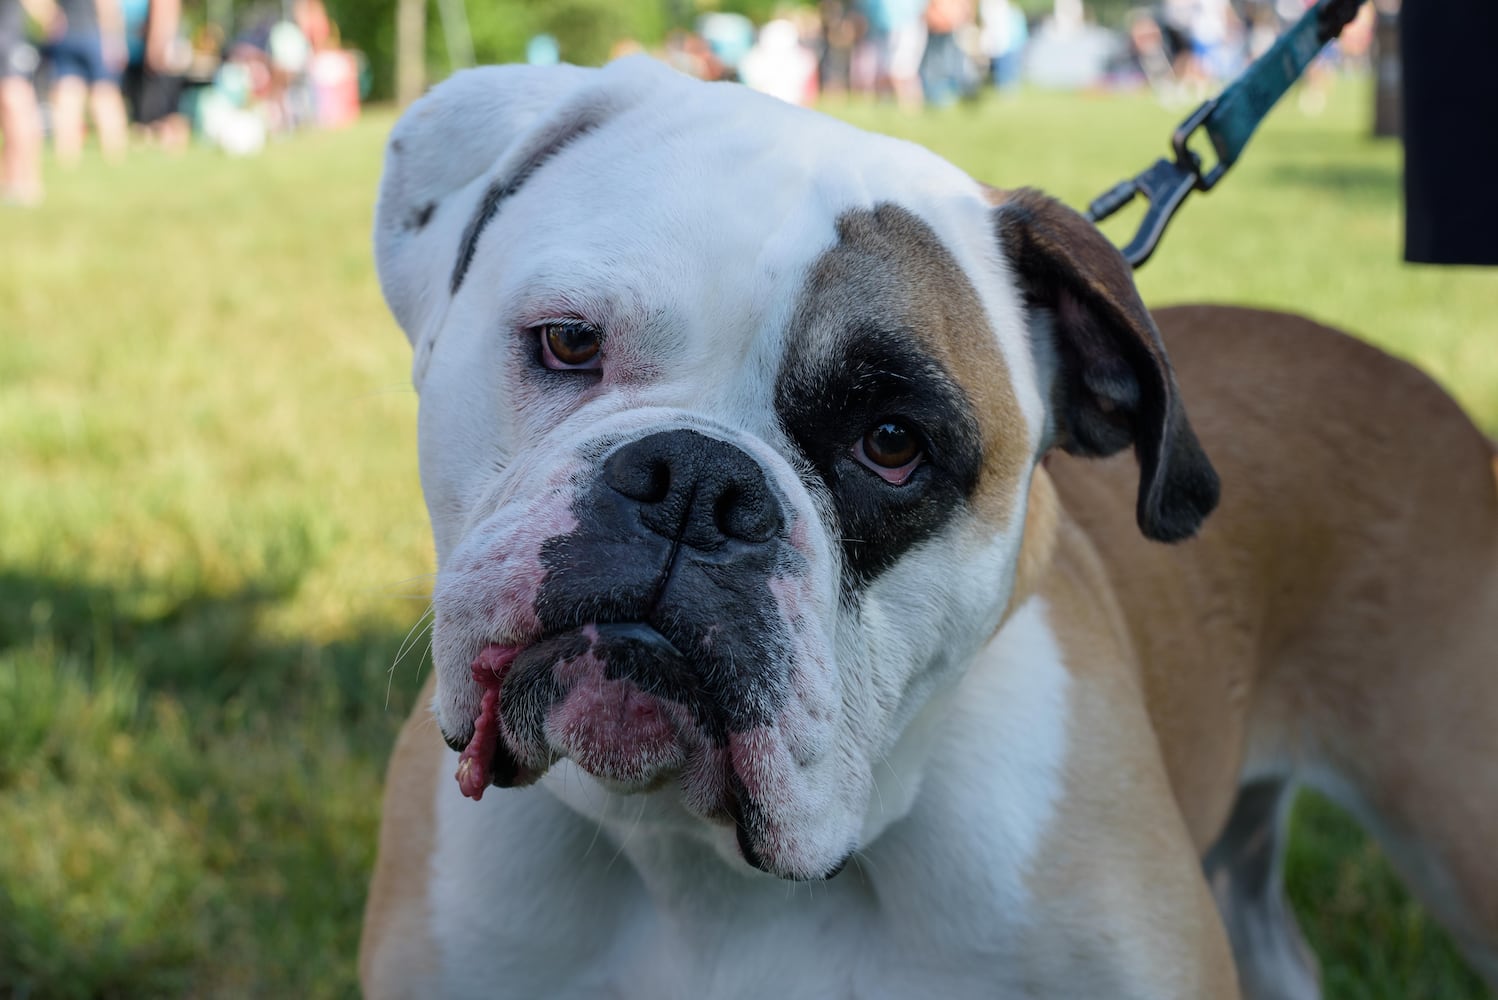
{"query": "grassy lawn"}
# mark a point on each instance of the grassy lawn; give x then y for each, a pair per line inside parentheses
(213, 550)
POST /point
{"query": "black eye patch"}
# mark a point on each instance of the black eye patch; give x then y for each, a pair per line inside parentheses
(827, 401)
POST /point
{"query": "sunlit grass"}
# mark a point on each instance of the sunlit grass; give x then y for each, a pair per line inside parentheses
(212, 542)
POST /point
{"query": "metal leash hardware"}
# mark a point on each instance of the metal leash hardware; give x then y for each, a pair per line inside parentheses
(1229, 120)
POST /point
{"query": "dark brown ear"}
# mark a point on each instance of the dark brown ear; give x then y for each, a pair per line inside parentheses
(1114, 385)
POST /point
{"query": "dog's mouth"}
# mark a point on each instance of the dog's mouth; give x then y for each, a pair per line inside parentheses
(629, 708)
(619, 700)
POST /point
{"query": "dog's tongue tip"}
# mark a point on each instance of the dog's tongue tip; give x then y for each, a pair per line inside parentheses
(476, 761)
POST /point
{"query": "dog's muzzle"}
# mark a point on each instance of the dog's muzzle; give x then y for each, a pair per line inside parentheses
(662, 642)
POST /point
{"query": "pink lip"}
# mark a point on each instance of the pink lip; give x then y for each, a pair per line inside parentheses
(475, 764)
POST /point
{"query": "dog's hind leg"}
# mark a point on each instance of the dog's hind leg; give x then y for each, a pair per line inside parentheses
(1244, 869)
(1397, 722)
(1425, 784)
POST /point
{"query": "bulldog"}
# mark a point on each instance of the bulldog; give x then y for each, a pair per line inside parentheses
(795, 635)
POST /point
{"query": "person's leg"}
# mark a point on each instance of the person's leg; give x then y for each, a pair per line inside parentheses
(107, 107)
(68, 96)
(908, 45)
(21, 131)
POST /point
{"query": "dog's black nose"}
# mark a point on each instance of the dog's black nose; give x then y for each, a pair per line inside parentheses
(695, 488)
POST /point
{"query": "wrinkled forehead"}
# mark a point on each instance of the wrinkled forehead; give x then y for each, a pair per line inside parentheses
(720, 225)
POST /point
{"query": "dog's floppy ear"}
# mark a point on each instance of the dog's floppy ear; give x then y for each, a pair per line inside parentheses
(445, 142)
(1114, 385)
(459, 152)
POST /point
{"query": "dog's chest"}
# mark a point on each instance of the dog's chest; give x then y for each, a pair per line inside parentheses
(791, 942)
(529, 899)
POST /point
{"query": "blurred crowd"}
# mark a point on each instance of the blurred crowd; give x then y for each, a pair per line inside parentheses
(142, 73)
(937, 52)
(139, 67)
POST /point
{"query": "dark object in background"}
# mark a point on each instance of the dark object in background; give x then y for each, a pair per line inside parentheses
(1389, 89)
(1450, 131)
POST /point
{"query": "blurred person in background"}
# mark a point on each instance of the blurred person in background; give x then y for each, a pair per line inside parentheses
(897, 34)
(1177, 20)
(729, 37)
(86, 63)
(316, 25)
(944, 71)
(289, 100)
(779, 65)
(153, 80)
(842, 28)
(691, 54)
(20, 118)
(1005, 32)
(1149, 52)
(543, 50)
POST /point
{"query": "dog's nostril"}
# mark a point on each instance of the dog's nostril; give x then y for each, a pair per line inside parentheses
(660, 481)
(644, 481)
(725, 510)
(748, 515)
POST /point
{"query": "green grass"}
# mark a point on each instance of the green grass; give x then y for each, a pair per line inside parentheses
(212, 544)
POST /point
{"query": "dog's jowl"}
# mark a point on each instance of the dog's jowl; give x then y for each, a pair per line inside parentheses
(835, 598)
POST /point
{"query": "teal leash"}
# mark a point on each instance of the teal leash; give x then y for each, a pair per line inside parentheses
(1229, 121)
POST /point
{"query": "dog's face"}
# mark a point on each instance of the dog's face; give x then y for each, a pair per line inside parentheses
(728, 417)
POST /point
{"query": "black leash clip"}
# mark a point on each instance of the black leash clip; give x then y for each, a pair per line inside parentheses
(1164, 185)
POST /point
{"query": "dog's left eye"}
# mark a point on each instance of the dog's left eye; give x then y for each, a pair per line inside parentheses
(892, 449)
(570, 346)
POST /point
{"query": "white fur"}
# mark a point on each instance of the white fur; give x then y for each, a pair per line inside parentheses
(531, 899)
(942, 744)
(696, 293)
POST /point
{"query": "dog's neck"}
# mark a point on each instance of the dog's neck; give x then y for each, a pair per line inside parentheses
(1038, 544)
(1016, 679)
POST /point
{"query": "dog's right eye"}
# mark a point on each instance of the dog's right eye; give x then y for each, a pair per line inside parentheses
(892, 449)
(570, 346)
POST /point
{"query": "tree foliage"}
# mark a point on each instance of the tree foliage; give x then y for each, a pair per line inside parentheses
(586, 30)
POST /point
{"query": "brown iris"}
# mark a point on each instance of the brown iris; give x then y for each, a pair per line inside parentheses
(571, 344)
(891, 445)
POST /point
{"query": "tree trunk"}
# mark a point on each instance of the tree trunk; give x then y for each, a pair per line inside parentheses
(410, 50)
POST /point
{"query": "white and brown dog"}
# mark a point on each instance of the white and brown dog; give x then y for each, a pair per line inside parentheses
(747, 440)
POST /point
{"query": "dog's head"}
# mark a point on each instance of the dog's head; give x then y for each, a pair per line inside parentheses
(728, 418)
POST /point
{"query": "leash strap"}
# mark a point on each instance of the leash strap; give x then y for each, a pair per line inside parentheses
(1229, 121)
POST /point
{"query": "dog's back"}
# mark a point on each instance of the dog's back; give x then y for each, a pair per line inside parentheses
(1335, 624)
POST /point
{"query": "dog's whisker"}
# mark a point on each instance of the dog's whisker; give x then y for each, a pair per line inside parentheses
(865, 865)
(426, 657)
(597, 830)
(421, 625)
(413, 579)
(391, 389)
(390, 589)
(624, 841)
(898, 779)
(413, 637)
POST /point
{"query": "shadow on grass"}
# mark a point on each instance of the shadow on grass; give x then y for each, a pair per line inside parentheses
(1374, 940)
(196, 645)
(189, 804)
(189, 807)
(1368, 185)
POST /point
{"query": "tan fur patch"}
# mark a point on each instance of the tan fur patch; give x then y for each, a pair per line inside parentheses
(1037, 544)
(892, 264)
(396, 952)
